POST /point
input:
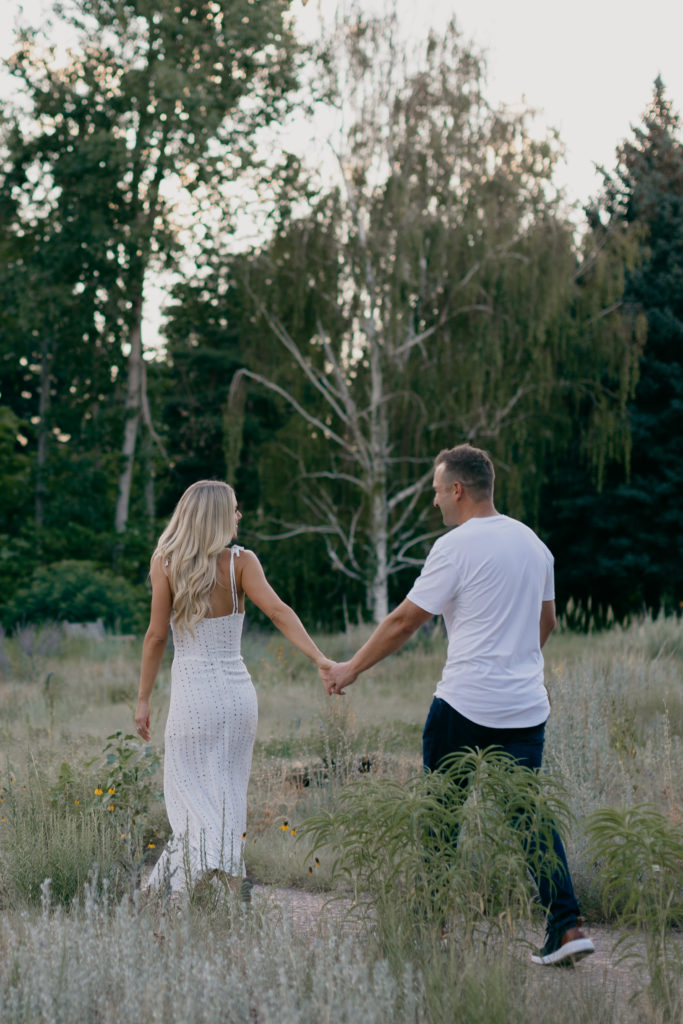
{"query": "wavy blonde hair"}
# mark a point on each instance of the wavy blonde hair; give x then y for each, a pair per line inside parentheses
(202, 526)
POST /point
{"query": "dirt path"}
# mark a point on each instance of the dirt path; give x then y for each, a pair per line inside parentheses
(309, 912)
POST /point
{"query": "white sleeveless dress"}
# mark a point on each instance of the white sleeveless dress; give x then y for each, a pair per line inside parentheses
(209, 740)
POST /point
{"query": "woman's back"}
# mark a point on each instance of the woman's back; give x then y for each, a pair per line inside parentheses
(217, 635)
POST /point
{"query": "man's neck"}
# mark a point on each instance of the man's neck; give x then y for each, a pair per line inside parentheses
(478, 510)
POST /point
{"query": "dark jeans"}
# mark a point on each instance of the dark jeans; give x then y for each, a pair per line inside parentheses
(447, 732)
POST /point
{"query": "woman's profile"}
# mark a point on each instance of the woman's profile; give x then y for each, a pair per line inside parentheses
(198, 586)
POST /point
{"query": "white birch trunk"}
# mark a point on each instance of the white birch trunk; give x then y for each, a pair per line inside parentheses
(133, 409)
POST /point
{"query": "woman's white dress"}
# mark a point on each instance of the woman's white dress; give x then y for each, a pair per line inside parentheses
(209, 740)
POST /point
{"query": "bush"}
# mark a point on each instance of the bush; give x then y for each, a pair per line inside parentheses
(74, 591)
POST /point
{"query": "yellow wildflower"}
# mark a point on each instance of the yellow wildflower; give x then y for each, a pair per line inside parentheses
(98, 791)
(111, 807)
(111, 790)
(151, 846)
(77, 802)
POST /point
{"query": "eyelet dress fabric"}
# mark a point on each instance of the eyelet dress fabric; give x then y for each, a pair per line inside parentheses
(209, 740)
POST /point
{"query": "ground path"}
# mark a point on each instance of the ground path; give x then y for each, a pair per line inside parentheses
(310, 912)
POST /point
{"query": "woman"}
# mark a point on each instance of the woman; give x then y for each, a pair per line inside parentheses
(198, 585)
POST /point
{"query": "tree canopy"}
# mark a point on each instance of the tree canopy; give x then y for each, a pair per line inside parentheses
(418, 282)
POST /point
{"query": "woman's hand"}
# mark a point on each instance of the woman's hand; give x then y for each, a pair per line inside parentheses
(337, 675)
(142, 722)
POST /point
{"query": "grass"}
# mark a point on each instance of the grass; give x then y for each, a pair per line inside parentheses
(615, 739)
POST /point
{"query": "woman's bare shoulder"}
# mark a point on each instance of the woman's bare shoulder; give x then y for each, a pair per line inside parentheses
(158, 568)
(245, 559)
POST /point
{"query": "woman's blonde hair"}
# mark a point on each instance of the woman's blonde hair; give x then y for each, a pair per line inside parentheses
(202, 526)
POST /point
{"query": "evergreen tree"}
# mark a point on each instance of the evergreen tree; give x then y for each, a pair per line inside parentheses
(623, 548)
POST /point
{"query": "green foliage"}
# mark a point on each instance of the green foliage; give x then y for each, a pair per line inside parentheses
(69, 845)
(132, 782)
(638, 853)
(74, 591)
(442, 243)
(621, 548)
(443, 848)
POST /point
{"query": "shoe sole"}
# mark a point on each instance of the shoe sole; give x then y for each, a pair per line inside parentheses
(566, 955)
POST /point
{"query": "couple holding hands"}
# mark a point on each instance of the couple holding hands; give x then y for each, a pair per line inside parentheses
(491, 579)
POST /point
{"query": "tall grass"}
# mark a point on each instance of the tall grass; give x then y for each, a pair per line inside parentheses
(615, 740)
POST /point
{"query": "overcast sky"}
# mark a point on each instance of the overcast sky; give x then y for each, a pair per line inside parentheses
(588, 65)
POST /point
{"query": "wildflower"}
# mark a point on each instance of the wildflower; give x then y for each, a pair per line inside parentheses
(244, 835)
(151, 846)
(98, 791)
(310, 870)
(285, 826)
(317, 862)
(111, 790)
(293, 831)
(77, 802)
(123, 835)
(2, 799)
(3, 819)
(111, 807)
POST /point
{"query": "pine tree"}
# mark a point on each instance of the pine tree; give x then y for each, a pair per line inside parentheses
(622, 548)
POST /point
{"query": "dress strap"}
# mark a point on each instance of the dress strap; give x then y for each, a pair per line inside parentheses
(234, 553)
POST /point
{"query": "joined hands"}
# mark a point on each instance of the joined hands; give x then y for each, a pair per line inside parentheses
(336, 676)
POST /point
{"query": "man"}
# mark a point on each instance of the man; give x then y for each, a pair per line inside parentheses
(492, 580)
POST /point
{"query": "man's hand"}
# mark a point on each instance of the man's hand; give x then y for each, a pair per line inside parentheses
(337, 676)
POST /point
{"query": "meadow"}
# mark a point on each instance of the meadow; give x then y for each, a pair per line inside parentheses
(337, 802)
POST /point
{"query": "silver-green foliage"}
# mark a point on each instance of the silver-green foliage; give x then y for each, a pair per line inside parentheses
(113, 963)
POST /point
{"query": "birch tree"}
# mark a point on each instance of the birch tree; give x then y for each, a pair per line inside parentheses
(423, 301)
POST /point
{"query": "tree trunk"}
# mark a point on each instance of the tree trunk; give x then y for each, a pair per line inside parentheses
(379, 589)
(133, 409)
(41, 456)
(379, 511)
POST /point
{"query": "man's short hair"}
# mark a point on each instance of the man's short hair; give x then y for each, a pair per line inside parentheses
(470, 466)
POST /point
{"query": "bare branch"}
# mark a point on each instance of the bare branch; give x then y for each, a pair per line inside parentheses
(313, 420)
(317, 379)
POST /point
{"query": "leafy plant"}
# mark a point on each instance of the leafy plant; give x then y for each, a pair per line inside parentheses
(131, 769)
(638, 855)
(444, 846)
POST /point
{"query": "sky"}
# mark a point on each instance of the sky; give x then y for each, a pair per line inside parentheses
(588, 67)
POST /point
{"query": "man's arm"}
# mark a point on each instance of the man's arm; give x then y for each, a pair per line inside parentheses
(548, 620)
(391, 634)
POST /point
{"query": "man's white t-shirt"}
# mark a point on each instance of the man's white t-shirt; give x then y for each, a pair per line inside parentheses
(488, 579)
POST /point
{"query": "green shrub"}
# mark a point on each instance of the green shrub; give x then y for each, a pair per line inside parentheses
(395, 845)
(73, 591)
